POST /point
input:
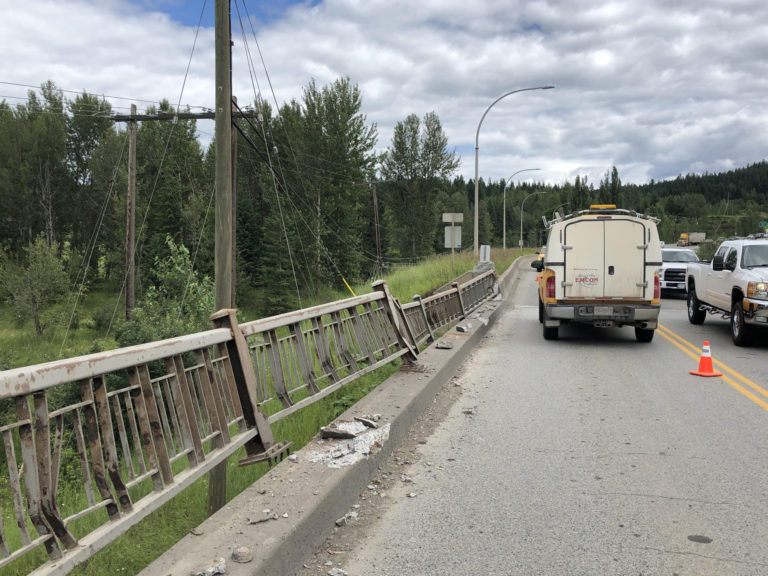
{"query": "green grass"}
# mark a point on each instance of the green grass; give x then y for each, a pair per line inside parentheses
(150, 538)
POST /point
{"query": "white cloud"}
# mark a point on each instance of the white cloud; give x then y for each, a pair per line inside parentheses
(657, 89)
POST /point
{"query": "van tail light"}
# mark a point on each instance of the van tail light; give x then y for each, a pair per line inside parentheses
(656, 287)
(551, 286)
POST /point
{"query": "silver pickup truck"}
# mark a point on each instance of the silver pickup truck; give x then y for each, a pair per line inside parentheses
(734, 285)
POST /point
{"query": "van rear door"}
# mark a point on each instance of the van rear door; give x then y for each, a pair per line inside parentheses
(604, 258)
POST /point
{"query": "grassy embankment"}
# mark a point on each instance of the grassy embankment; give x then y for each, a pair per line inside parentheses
(151, 537)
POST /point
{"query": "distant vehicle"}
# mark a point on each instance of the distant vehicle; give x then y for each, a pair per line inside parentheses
(601, 269)
(673, 267)
(691, 238)
(734, 285)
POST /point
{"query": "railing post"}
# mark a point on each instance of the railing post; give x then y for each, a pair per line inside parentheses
(417, 298)
(403, 333)
(461, 302)
(263, 447)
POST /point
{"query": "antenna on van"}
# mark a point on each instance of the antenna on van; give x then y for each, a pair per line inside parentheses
(544, 219)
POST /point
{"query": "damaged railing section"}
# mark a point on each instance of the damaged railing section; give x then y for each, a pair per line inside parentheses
(300, 357)
(101, 441)
(123, 431)
(427, 315)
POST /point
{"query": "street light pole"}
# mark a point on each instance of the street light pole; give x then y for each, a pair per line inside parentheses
(521, 214)
(477, 151)
(504, 206)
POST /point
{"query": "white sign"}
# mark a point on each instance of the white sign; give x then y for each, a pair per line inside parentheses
(456, 237)
(454, 217)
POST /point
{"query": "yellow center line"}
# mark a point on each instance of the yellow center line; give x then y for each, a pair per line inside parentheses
(690, 349)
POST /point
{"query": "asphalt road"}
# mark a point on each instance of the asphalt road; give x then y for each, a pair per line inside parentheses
(592, 454)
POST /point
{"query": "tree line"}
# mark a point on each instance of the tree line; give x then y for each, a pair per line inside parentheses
(317, 206)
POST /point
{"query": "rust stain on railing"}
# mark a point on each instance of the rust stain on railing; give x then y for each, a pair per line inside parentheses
(131, 428)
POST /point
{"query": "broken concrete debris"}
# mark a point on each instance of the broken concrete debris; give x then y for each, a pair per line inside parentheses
(268, 515)
(220, 567)
(366, 421)
(346, 518)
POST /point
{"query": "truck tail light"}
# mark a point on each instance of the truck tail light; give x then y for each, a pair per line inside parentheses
(551, 287)
(656, 287)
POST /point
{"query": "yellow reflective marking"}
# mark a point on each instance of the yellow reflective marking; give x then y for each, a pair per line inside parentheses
(694, 352)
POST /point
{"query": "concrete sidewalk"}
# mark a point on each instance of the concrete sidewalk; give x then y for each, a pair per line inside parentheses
(306, 494)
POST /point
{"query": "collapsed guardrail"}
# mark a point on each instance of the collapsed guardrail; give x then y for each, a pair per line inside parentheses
(133, 427)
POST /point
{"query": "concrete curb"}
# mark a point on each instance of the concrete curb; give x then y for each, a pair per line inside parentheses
(305, 498)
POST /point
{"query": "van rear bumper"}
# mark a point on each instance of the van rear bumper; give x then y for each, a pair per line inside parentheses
(607, 314)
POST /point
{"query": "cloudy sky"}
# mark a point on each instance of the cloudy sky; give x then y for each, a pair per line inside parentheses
(654, 87)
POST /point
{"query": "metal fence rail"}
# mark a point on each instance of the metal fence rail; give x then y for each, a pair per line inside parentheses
(425, 315)
(124, 431)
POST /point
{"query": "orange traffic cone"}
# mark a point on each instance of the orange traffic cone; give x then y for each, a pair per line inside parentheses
(705, 363)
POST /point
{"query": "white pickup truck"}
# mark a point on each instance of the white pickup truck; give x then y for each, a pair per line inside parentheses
(734, 285)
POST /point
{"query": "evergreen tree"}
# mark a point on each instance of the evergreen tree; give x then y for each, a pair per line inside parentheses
(415, 168)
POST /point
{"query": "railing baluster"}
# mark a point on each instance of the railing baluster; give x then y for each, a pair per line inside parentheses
(46, 470)
(214, 395)
(303, 354)
(162, 411)
(323, 349)
(276, 369)
(108, 439)
(363, 337)
(32, 478)
(342, 345)
(185, 409)
(85, 471)
(4, 550)
(154, 424)
(18, 500)
(121, 432)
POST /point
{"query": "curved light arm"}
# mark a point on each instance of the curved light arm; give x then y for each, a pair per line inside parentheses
(477, 134)
(509, 181)
(477, 153)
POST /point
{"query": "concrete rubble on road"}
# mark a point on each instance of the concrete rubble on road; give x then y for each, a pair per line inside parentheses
(220, 567)
(337, 454)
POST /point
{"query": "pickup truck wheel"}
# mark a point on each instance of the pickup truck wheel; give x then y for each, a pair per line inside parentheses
(695, 314)
(644, 335)
(550, 332)
(740, 331)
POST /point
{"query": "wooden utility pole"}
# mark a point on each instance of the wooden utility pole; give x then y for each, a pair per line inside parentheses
(217, 478)
(233, 195)
(130, 219)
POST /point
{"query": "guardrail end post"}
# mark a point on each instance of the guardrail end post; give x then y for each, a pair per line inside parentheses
(396, 316)
(262, 447)
(461, 302)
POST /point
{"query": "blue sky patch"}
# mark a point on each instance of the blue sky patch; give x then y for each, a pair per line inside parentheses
(187, 12)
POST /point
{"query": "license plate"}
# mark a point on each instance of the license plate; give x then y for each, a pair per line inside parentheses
(603, 310)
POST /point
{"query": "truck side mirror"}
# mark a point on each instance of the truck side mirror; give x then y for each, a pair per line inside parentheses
(717, 263)
(538, 264)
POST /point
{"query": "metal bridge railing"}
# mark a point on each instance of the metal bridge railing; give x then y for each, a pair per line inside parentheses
(127, 430)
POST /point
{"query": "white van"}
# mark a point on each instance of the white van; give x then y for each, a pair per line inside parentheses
(601, 268)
